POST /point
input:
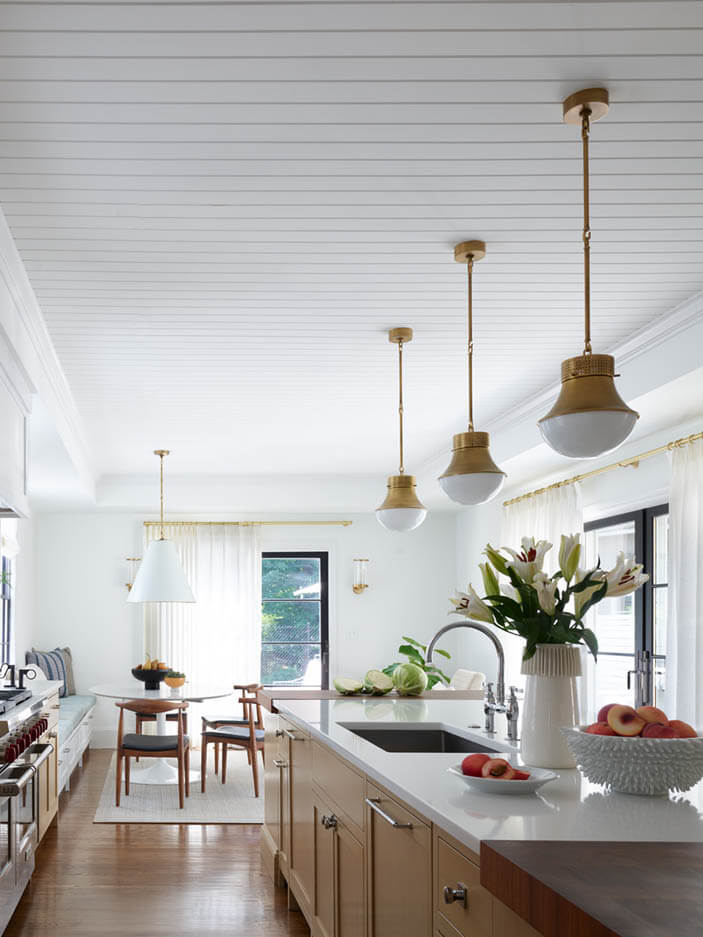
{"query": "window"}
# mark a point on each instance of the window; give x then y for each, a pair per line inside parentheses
(6, 611)
(631, 629)
(294, 619)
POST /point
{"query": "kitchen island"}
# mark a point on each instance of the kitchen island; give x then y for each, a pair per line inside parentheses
(407, 839)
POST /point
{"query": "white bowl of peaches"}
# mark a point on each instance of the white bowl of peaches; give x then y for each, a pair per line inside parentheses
(638, 751)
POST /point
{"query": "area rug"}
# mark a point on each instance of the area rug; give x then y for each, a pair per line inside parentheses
(233, 802)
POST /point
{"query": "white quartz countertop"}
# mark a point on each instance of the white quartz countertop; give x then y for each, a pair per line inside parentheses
(569, 808)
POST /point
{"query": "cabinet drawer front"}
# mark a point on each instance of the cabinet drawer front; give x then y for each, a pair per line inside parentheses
(474, 916)
(342, 784)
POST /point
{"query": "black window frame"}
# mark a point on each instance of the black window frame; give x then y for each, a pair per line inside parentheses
(643, 598)
(323, 557)
(6, 611)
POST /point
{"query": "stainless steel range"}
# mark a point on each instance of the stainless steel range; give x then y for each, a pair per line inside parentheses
(21, 754)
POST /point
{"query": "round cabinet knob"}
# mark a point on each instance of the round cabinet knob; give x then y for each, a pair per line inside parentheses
(457, 894)
(329, 823)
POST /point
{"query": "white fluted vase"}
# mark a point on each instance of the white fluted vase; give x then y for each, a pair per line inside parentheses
(551, 701)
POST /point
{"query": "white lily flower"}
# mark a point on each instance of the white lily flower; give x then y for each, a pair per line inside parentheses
(569, 554)
(546, 592)
(624, 577)
(529, 561)
(470, 605)
(510, 591)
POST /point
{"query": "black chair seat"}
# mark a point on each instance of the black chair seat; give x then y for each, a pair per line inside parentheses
(152, 743)
(228, 720)
(233, 732)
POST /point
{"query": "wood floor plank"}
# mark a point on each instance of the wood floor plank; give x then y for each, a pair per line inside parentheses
(131, 880)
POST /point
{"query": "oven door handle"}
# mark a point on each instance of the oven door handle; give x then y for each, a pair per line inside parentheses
(15, 782)
(42, 750)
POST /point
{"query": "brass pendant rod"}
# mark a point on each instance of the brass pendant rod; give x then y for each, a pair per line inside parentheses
(632, 462)
(470, 346)
(250, 523)
(585, 136)
(401, 466)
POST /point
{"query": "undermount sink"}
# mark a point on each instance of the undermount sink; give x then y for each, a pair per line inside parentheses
(417, 739)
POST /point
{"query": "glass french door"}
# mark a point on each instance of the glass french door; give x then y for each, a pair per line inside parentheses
(631, 629)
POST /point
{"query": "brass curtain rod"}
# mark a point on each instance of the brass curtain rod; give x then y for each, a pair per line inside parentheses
(249, 523)
(632, 462)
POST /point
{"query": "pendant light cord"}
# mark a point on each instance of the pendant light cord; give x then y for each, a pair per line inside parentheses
(470, 345)
(585, 134)
(161, 522)
(401, 467)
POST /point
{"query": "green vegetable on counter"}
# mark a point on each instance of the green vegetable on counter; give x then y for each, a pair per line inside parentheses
(347, 686)
(377, 683)
(409, 679)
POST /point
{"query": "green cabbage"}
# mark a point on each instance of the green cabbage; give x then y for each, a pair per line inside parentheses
(348, 687)
(409, 679)
(377, 683)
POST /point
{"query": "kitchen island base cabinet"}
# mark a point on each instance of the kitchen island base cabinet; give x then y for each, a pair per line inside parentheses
(507, 924)
(399, 868)
(299, 816)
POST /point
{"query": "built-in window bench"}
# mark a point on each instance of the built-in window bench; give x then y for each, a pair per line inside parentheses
(75, 722)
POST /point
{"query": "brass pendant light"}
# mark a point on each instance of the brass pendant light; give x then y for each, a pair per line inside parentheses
(402, 510)
(589, 417)
(472, 476)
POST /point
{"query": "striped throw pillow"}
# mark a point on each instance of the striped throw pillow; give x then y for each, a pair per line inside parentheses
(51, 664)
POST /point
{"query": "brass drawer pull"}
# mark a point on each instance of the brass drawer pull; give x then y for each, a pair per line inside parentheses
(292, 736)
(280, 764)
(329, 823)
(373, 803)
(459, 894)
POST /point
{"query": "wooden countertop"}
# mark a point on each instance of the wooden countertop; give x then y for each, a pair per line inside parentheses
(268, 695)
(591, 889)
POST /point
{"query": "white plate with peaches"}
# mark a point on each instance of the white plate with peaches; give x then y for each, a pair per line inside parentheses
(492, 774)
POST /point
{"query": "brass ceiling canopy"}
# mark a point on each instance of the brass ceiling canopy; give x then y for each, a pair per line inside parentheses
(589, 416)
(472, 476)
(402, 510)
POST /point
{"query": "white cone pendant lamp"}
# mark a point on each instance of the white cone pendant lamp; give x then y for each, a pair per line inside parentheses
(160, 577)
(472, 476)
(589, 417)
(402, 510)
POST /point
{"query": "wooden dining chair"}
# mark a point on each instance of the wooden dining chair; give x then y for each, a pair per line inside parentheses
(249, 737)
(229, 719)
(135, 745)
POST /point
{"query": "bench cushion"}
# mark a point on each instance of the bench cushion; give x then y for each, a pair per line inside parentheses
(72, 709)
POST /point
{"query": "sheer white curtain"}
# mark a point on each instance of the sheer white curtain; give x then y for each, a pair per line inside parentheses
(685, 619)
(217, 640)
(545, 516)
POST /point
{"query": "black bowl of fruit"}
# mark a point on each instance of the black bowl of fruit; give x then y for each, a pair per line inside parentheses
(151, 673)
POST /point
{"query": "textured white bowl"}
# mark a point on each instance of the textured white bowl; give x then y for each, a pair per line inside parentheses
(637, 765)
(538, 777)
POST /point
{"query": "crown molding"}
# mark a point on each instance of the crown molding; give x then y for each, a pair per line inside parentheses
(32, 350)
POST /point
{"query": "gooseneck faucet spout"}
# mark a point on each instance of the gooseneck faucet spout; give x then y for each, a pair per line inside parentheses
(475, 626)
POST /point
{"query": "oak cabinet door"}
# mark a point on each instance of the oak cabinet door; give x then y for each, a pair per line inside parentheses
(324, 879)
(272, 781)
(399, 853)
(350, 884)
(301, 846)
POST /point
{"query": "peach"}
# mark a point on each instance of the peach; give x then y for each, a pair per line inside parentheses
(625, 721)
(499, 769)
(655, 730)
(683, 730)
(652, 714)
(521, 775)
(472, 764)
(603, 712)
(600, 728)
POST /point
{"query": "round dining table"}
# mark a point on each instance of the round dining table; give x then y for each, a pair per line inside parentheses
(161, 770)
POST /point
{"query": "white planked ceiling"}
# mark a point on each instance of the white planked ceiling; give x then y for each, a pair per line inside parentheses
(222, 207)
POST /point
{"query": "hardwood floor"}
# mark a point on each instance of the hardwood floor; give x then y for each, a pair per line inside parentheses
(147, 880)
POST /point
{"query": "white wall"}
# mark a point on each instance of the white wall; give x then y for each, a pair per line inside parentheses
(81, 602)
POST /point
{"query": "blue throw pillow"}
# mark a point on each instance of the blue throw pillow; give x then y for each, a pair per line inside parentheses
(51, 663)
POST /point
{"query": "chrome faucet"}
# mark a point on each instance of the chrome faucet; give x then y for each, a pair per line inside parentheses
(491, 705)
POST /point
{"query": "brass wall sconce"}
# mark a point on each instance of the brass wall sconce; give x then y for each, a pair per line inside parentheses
(360, 584)
(132, 562)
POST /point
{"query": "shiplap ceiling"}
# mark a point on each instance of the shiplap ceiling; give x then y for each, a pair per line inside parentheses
(222, 207)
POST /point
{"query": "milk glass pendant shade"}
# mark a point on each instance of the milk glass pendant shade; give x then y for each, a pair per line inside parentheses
(160, 577)
(402, 510)
(472, 477)
(589, 417)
